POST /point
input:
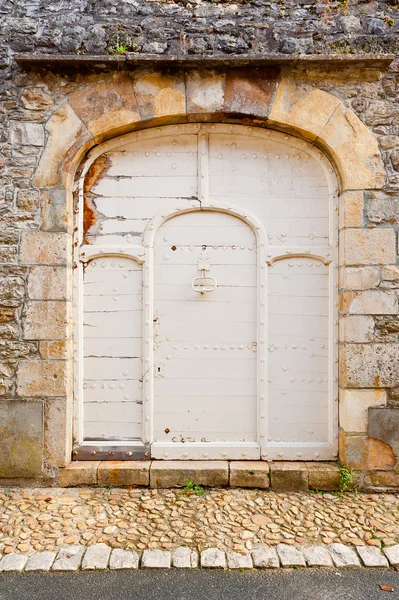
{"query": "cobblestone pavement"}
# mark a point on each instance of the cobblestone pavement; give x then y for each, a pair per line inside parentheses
(234, 519)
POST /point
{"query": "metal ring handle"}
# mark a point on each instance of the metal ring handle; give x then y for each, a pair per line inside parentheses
(202, 288)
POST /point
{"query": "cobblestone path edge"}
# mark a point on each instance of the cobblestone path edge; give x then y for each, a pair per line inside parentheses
(101, 556)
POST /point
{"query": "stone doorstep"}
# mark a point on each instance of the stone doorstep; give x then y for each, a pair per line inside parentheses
(101, 557)
(279, 476)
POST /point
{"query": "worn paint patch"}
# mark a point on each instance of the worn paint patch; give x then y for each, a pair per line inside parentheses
(94, 174)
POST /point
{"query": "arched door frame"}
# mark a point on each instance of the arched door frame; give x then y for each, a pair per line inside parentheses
(266, 255)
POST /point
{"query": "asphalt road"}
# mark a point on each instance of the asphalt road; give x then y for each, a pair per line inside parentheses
(309, 584)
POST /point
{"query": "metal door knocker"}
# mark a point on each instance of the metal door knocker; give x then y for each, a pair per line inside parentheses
(205, 283)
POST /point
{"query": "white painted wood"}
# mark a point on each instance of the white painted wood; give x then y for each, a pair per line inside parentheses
(112, 380)
(265, 206)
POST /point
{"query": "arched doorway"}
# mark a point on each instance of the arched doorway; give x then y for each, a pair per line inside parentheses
(233, 232)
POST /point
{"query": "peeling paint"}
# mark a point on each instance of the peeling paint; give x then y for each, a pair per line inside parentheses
(94, 174)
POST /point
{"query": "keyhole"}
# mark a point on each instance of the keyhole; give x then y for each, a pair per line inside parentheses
(204, 247)
(159, 369)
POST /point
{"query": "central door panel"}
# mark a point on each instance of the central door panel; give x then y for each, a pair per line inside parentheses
(205, 338)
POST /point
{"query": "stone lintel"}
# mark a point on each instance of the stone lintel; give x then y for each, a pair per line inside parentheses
(128, 60)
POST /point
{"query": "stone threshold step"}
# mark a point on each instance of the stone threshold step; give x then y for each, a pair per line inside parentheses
(100, 556)
(279, 476)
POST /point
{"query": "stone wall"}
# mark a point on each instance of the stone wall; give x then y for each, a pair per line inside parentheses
(51, 117)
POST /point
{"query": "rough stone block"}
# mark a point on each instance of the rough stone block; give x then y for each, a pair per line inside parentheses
(250, 90)
(317, 556)
(290, 556)
(155, 559)
(213, 558)
(45, 248)
(21, 434)
(363, 453)
(238, 560)
(160, 94)
(48, 283)
(351, 209)
(205, 91)
(65, 129)
(384, 425)
(323, 476)
(343, 556)
(78, 473)
(356, 328)
(369, 365)
(372, 556)
(28, 200)
(57, 433)
(46, 320)
(392, 554)
(69, 559)
(96, 557)
(26, 134)
(56, 350)
(390, 273)
(169, 474)
(287, 476)
(54, 212)
(123, 473)
(354, 150)
(13, 562)
(249, 474)
(40, 561)
(367, 246)
(359, 278)
(43, 378)
(185, 558)
(123, 559)
(303, 107)
(383, 479)
(354, 406)
(265, 557)
(374, 302)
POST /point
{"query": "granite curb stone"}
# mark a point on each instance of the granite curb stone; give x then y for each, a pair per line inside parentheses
(102, 557)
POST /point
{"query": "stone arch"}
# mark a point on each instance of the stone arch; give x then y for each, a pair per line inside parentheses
(124, 102)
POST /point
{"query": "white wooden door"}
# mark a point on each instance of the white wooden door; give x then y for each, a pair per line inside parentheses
(246, 369)
(205, 338)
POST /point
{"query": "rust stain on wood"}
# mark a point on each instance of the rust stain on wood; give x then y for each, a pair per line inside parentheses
(94, 174)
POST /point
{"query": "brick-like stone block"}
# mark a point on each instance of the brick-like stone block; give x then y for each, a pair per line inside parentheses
(56, 350)
(356, 328)
(323, 476)
(390, 273)
(48, 283)
(205, 91)
(79, 473)
(54, 212)
(44, 378)
(57, 434)
(359, 278)
(45, 248)
(369, 365)
(123, 473)
(23, 133)
(286, 476)
(159, 94)
(360, 452)
(48, 320)
(169, 474)
(383, 479)
(250, 90)
(21, 435)
(354, 406)
(367, 246)
(374, 302)
(351, 209)
(249, 474)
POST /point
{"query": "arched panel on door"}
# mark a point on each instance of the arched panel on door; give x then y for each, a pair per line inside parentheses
(205, 337)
